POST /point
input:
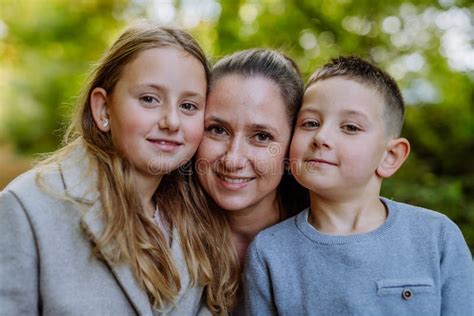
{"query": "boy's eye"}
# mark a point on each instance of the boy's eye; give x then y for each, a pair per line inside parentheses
(310, 124)
(351, 128)
(187, 106)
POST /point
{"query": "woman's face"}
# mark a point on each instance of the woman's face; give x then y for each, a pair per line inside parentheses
(240, 160)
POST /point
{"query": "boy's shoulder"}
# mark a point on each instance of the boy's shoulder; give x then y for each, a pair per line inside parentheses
(414, 212)
(420, 218)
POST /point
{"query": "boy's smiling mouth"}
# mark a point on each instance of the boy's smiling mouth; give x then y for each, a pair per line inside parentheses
(318, 161)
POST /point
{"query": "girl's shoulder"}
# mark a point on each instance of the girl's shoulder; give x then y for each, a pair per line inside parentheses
(65, 176)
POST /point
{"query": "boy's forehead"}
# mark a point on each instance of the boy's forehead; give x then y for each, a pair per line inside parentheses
(337, 83)
(342, 92)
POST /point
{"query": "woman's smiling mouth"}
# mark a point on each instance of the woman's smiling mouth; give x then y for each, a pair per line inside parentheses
(233, 182)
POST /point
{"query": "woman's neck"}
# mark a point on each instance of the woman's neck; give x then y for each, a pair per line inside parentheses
(245, 224)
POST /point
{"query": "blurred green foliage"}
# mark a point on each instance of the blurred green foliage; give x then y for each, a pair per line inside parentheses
(47, 47)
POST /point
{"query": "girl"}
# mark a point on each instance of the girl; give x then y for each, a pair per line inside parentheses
(108, 224)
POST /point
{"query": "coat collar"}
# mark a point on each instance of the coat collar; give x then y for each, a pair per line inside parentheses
(79, 176)
(93, 223)
(79, 179)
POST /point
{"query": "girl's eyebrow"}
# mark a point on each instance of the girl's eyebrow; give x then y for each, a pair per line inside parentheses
(149, 85)
(189, 93)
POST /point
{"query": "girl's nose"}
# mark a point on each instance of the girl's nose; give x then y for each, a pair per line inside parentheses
(170, 119)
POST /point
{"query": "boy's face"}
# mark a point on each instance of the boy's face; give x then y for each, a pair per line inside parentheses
(339, 139)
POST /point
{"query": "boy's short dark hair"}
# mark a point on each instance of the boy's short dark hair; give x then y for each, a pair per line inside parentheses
(362, 71)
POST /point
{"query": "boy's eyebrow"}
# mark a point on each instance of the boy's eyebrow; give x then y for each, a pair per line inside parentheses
(354, 113)
(311, 110)
(344, 112)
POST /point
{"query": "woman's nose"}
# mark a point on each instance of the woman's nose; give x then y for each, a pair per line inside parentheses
(235, 156)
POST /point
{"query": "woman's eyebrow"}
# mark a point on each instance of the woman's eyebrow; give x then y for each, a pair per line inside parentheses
(263, 127)
(216, 119)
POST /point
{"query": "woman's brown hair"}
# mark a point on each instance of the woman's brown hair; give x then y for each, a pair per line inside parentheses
(292, 197)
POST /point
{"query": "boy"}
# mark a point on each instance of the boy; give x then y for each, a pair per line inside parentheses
(353, 252)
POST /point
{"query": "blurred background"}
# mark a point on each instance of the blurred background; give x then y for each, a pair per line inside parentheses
(48, 46)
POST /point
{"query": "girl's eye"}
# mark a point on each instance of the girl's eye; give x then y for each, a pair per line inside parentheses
(188, 106)
(351, 128)
(216, 130)
(310, 124)
(148, 100)
(263, 137)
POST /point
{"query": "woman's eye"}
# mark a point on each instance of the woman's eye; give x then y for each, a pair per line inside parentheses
(216, 130)
(310, 124)
(263, 137)
(188, 106)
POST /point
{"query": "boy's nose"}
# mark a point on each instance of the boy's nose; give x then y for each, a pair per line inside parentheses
(321, 138)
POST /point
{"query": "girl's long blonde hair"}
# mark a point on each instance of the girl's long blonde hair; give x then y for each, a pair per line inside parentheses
(129, 235)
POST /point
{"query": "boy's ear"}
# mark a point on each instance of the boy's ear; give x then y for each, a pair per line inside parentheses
(100, 111)
(394, 156)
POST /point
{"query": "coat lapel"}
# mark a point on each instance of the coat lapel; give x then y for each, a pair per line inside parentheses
(80, 183)
(93, 223)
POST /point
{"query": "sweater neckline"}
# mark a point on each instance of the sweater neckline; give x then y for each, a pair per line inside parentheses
(312, 233)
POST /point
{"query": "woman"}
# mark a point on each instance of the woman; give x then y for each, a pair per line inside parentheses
(241, 163)
(107, 224)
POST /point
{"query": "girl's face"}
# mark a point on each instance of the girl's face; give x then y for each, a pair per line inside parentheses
(247, 132)
(156, 109)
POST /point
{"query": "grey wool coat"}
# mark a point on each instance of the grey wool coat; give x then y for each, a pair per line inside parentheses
(46, 261)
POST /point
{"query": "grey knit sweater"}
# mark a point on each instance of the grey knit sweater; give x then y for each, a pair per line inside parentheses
(416, 263)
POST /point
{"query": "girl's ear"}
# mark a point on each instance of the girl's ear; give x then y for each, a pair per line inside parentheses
(100, 111)
(395, 155)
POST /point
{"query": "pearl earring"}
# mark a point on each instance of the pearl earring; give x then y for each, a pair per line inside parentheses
(105, 123)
